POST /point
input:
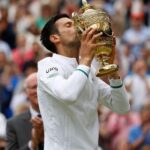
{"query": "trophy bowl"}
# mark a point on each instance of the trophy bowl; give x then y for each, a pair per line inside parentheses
(99, 19)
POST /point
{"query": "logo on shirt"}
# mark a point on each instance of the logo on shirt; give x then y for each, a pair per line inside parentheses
(50, 69)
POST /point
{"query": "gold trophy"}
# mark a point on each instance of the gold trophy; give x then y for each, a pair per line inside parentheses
(97, 18)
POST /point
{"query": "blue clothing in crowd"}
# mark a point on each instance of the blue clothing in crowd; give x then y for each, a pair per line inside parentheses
(135, 133)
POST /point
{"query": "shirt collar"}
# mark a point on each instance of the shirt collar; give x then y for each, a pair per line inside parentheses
(33, 112)
(63, 59)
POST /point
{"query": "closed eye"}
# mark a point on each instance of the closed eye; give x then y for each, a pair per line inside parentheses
(68, 24)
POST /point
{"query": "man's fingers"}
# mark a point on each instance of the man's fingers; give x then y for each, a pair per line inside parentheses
(36, 119)
(96, 36)
(36, 122)
(100, 44)
(90, 34)
(85, 33)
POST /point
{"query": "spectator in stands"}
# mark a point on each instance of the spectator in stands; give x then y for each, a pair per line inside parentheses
(114, 129)
(23, 19)
(21, 54)
(7, 32)
(21, 133)
(19, 95)
(139, 135)
(137, 34)
(46, 12)
(138, 84)
(4, 47)
(6, 85)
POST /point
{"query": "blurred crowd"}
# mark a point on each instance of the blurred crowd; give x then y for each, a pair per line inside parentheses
(20, 24)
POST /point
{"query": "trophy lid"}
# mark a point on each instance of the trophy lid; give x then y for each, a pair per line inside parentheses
(86, 5)
(91, 17)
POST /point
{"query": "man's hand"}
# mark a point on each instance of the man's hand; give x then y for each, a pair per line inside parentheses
(37, 132)
(114, 75)
(88, 46)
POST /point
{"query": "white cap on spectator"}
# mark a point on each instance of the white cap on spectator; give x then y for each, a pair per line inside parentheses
(137, 9)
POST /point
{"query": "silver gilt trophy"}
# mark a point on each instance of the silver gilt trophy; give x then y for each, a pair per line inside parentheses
(99, 19)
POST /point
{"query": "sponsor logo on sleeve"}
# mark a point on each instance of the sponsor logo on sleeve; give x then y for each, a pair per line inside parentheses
(51, 69)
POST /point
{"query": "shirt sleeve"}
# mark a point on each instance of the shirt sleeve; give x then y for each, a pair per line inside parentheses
(67, 90)
(113, 96)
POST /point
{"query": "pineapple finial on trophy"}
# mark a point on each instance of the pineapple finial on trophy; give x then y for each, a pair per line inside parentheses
(84, 2)
(85, 6)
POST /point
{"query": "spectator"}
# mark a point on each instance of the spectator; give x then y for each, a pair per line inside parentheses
(23, 19)
(46, 13)
(31, 35)
(6, 85)
(139, 135)
(20, 132)
(4, 47)
(21, 54)
(12, 10)
(138, 84)
(7, 32)
(114, 129)
(19, 95)
(146, 54)
(137, 34)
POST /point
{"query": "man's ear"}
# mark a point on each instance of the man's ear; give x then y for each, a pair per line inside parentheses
(54, 38)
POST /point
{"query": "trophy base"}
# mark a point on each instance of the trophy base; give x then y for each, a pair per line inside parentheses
(106, 70)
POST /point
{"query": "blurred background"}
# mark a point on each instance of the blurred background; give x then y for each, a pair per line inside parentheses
(20, 24)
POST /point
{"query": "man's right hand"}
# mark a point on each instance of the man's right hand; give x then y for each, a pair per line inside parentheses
(88, 46)
(37, 132)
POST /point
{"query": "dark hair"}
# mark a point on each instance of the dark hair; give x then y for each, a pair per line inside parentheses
(50, 29)
(29, 64)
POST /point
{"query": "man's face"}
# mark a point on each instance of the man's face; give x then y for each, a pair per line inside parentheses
(31, 90)
(140, 68)
(67, 32)
(137, 22)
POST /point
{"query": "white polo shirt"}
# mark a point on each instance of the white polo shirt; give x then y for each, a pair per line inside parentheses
(68, 96)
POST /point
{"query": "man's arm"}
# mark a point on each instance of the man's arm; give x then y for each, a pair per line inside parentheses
(68, 90)
(114, 96)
